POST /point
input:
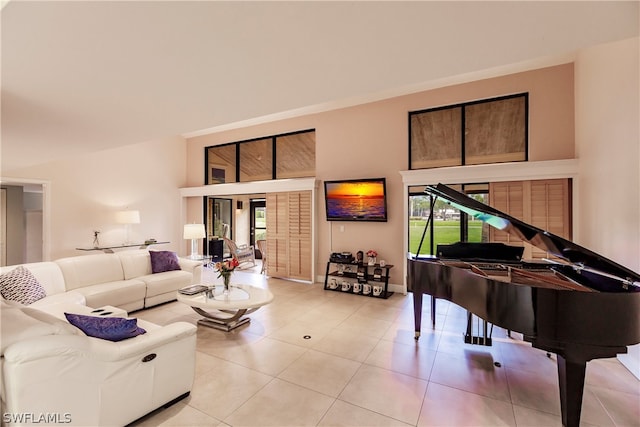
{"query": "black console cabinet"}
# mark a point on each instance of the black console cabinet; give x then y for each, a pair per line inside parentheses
(359, 279)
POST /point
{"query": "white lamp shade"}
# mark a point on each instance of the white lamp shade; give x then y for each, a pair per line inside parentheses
(128, 217)
(194, 231)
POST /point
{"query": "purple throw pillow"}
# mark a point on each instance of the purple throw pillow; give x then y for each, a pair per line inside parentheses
(162, 261)
(106, 328)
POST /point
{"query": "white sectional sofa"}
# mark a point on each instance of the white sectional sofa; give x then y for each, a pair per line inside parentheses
(125, 279)
(55, 374)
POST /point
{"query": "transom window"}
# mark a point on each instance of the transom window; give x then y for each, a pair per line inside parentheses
(487, 131)
(291, 155)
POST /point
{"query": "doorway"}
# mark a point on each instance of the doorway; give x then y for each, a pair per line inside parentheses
(289, 191)
(258, 224)
(219, 217)
(24, 223)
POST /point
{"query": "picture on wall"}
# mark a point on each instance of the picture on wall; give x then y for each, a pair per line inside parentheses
(218, 175)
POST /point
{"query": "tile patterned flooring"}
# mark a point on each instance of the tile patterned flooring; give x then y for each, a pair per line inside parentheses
(362, 367)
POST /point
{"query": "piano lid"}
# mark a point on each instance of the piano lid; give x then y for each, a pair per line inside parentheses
(577, 255)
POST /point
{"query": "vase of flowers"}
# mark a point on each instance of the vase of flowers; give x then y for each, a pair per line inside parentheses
(224, 269)
(371, 257)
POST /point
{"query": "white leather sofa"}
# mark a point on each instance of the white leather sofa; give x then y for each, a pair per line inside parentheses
(122, 279)
(54, 374)
(51, 369)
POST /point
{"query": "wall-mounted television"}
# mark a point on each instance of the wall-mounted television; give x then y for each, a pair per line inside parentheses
(356, 200)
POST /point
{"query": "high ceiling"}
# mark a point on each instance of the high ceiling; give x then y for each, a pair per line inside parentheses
(82, 76)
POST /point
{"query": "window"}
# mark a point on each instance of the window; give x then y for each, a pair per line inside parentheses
(256, 160)
(296, 154)
(545, 204)
(436, 138)
(258, 220)
(221, 164)
(291, 155)
(448, 225)
(480, 132)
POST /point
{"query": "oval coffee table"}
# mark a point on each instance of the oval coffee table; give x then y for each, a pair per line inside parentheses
(225, 311)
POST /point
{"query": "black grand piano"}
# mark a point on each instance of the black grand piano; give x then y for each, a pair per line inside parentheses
(580, 306)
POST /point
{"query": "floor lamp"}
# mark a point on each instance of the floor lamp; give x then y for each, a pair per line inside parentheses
(127, 218)
(194, 232)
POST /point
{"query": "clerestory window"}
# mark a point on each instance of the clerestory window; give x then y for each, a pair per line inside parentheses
(486, 131)
(291, 155)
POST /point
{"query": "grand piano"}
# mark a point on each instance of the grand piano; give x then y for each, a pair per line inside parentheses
(579, 305)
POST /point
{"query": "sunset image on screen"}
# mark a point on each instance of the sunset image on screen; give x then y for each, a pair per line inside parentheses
(366, 190)
(359, 200)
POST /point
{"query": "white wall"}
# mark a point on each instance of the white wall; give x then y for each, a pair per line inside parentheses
(87, 190)
(608, 146)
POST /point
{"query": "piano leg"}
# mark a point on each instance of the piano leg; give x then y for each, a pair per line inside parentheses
(571, 379)
(417, 312)
(433, 312)
(468, 335)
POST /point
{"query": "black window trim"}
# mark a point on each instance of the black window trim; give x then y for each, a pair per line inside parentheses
(238, 145)
(463, 106)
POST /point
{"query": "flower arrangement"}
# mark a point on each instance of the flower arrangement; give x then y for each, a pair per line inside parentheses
(371, 253)
(225, 268)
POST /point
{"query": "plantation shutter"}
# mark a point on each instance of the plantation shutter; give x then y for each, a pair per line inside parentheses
(300, 235)
(545, 204)
(289, 235)
(277, 223)
(550, 209)
(507, 197)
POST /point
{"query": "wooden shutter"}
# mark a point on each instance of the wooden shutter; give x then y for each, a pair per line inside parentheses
(289, 235)
(277, 231)
(550, 209)
(300, 235)
(507, 197)
(545, 204)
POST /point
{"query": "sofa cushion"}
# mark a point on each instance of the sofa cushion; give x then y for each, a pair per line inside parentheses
(21, 286)
(135, 263)
(85, 270)
(107, 328)
(119, 294)
(71, 297)
(20, 323)
(48, 274)
(169, 281)
(162, 261)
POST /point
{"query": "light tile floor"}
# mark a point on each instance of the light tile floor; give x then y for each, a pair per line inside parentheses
(362, 367)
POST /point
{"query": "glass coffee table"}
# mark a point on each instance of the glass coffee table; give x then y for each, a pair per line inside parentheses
(226, 311)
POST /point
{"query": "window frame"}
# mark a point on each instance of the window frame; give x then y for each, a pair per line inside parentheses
(462, 107)
(238, 145)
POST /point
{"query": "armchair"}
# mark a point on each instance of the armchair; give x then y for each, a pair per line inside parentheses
(262, 247)
(242, 253)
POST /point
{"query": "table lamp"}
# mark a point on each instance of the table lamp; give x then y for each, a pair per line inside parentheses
(194, 232)
(127, 218)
